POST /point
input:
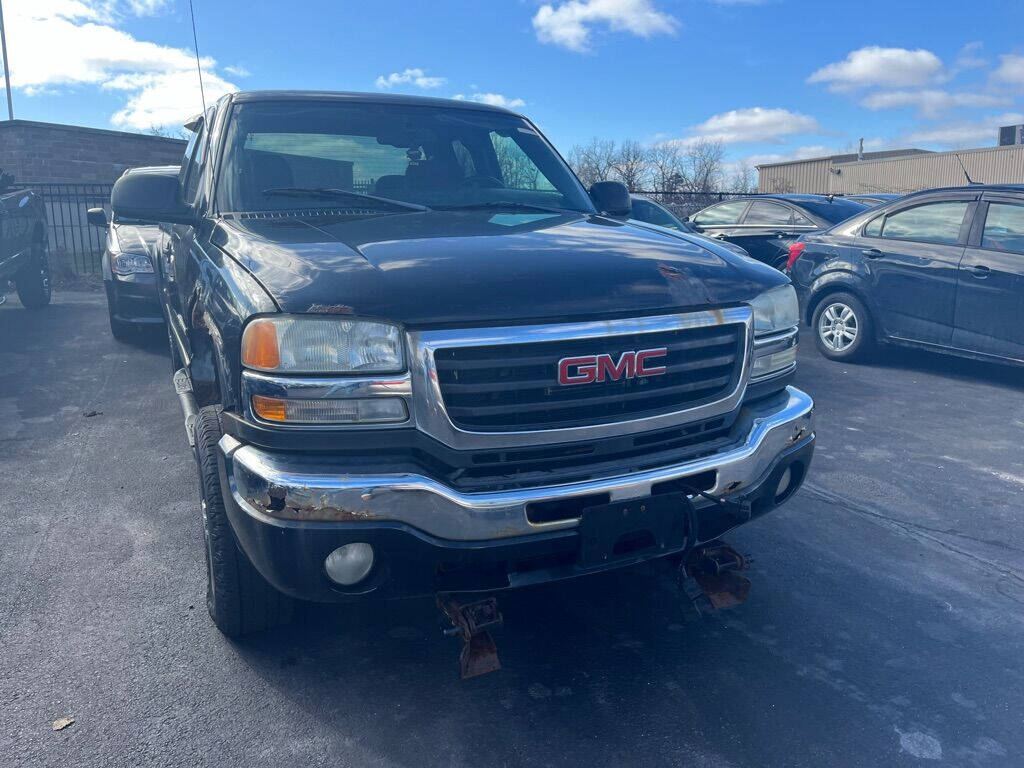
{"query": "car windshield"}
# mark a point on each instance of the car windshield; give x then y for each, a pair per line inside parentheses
(390, 158)
(835, 211)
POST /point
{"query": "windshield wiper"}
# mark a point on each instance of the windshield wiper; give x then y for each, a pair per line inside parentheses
(334, 192)
(506, 205)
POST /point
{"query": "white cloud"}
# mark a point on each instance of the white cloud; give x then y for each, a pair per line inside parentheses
(494, 99)
(413, 76)
(884, 67)
(964, 134)
(970, 56)
(1010, 69)
(932, 102)
(237, 71)
(570, 23)
(57, 44)
(753, 124)
(147, 7)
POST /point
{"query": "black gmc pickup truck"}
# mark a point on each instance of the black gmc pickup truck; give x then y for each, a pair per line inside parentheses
(416, 356)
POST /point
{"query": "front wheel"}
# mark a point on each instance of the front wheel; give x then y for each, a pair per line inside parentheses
(239, 599)
(33, 279)
(843, 328)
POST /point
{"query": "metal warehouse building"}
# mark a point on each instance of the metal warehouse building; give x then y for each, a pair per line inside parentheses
(899, 171)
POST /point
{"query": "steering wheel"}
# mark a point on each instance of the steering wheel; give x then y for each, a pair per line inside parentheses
(483, 181)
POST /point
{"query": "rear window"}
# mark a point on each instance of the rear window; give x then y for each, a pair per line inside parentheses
(836, 211)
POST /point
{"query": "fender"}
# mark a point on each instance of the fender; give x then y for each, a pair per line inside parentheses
(836, 280)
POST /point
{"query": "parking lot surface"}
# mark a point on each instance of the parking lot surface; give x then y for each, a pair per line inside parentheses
(884, 626)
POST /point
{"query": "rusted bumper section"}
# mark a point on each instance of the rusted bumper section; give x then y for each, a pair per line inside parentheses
(289, 511)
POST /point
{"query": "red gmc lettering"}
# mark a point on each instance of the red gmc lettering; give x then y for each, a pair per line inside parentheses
(591, 368)
(643, 369)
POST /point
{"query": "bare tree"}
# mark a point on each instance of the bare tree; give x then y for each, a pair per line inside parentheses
(667, 174)
(594, 161)
(743, 178)
(702, 166)
(632, 164)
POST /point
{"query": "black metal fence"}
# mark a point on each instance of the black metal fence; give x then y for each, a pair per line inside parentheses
(73, 242)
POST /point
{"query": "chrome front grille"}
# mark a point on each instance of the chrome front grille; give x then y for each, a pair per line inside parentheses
(514, 387)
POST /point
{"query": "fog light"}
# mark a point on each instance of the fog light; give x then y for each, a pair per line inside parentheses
(784, 483)
(349, 564)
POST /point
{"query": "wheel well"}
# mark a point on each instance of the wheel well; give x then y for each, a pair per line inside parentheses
(827, 290)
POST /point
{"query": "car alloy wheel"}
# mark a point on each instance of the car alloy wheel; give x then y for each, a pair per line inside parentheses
(838, 327)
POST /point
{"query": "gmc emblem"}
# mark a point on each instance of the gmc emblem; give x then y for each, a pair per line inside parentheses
(591, 368)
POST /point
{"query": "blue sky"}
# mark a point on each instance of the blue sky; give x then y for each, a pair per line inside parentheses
(771, 80)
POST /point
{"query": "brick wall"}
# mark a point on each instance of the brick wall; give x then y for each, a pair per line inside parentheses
(48, 152)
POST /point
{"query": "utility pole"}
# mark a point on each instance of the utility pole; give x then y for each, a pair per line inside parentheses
(7, 70)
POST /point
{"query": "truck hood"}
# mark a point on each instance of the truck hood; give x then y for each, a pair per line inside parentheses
(486, 267)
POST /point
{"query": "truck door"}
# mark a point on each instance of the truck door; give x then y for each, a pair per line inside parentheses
(990, 282)
(177, 248)
(912, 255)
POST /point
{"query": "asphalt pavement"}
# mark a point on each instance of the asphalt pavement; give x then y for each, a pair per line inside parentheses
(884, 627)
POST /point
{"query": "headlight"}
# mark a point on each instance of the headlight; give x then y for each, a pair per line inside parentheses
(130, 263)
(775, 310)
(312, 344)
(776, 317)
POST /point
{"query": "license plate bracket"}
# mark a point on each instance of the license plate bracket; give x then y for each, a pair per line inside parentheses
(628, 529)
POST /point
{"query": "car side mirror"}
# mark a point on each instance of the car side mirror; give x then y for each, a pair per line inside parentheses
(693, 225)
(611, 198)
(150, 195)
(97, 217)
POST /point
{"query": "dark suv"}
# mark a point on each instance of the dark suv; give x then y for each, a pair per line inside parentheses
(765, 226)
(942, 269)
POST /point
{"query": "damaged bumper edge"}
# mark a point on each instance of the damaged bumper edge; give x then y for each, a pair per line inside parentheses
(310, 488)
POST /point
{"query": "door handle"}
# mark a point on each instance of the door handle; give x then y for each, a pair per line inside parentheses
(780, 234)
(872, 253)
(719, 236)
(980, 271)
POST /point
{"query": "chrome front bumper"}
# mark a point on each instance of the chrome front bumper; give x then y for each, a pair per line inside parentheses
(299, 488)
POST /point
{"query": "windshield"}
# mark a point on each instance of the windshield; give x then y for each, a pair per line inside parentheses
(388, 158)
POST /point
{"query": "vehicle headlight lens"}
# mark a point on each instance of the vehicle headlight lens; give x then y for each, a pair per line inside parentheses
(130, 263)
(308, 344)
(775, 310)
(775, 313)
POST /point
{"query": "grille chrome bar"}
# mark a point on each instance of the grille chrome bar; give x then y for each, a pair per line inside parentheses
(728, 333)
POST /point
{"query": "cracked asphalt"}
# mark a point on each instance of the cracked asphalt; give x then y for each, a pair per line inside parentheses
(883, 629)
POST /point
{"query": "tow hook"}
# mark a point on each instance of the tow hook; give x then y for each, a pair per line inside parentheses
(473, 622)
(710, 577)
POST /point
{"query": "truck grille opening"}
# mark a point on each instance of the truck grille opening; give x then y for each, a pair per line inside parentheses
(514, 387)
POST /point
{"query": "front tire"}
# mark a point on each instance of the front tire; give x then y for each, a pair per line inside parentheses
(239, 599)
(33, 279)
(843, 328)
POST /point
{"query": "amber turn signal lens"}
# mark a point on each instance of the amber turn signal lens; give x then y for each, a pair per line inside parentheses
(269, 408)
(259, 346)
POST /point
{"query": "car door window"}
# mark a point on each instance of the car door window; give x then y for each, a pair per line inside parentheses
(773, 214)
(874, 227)
(932, 222)
(191, 188)
(1004, 228)
(725, 213)
(801, 220)
(644, 210)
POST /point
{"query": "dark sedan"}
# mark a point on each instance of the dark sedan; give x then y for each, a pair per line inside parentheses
(646, 211)
(128, 275)
(765, 226)
(941, 269)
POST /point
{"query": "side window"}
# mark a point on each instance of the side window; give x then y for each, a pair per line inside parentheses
(931, 222)
(1004, 228)
(644, 210)
(763, 212)
(518, 171)
(801, 220)
(874, 227)
(195, 167)
(724, 213)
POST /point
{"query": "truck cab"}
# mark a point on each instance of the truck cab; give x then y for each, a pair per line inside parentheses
(415, 355)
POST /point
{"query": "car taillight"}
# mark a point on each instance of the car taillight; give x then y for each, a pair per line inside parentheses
(794, 253)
